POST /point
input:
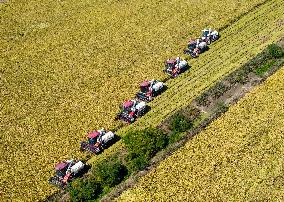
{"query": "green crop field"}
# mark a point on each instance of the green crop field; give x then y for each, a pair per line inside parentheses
(239, 157)
(65, 66)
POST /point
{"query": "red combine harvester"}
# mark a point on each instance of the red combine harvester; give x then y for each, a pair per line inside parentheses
(131, 110)
(200, 45)
(97, 141)
(65, 172)
(210, 35)
(196, 47)
(175, 67)
(150, 89)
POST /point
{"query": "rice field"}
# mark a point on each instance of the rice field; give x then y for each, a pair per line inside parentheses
(260, 28)
(239, 157)
(65, 66)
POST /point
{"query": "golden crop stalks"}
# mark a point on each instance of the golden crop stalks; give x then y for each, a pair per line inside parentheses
(67, 65)
(239, 157)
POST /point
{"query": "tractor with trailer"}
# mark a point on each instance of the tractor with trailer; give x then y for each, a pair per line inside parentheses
(97, 141)
(150, 89)
(131, 110)
(175, 66)
(65, 172)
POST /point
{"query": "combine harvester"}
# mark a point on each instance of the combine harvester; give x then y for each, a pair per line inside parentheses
(66, 171)
(98, 141)
(131, 110)
(175, 66)
(150, 89)
(209, 35)
(197, 46)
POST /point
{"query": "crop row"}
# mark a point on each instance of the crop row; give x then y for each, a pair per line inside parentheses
(239, 43)
(226, 55)
(238, 157)
(67, 66)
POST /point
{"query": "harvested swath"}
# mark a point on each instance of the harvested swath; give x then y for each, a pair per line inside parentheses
(239, 157)
(224, 56)
(69, 64)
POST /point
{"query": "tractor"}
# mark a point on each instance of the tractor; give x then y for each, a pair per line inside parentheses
(209, 35)
(196, 47)
(175, 66)
(131, 110)
(97, 141)
(65, 172)
(150, 89)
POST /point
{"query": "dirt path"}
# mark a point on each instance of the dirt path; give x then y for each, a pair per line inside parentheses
(233, 93)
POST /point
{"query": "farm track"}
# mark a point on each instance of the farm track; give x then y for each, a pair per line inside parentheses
(238, 157)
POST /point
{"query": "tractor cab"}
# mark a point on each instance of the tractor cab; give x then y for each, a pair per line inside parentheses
(92, 137)
(144, 87)
(61, 168)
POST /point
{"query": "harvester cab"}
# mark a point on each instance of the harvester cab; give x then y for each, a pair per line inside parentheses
(209, 35)
(61, 168)
(65, 172)
(92, 137)
(206, 32)
(192, 44)
(131, 110)
(149, 90)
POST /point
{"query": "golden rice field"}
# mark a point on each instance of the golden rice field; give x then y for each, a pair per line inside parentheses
(65, 66)
(239, 157)
(238, 44)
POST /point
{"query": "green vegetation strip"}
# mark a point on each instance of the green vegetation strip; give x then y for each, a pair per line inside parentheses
(260, 28)
(239, 157)
(143, 145)
(65, 68)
